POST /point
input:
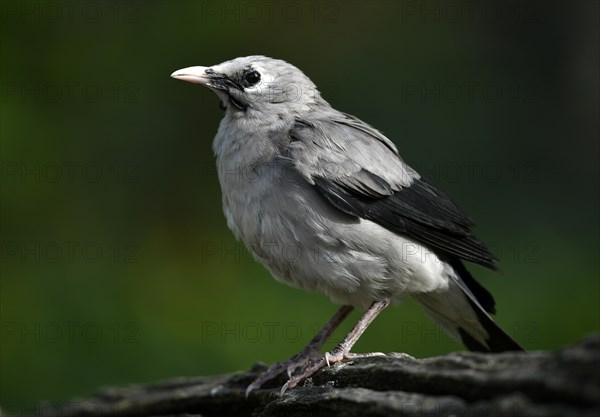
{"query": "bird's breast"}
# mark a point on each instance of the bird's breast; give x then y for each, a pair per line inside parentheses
(257, 201)
(306, 242)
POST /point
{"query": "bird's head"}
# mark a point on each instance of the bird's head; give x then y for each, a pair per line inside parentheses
(256, 86)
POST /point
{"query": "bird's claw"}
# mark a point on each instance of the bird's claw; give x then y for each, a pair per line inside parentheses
(300, 360)
(330, 358)
(306, 372)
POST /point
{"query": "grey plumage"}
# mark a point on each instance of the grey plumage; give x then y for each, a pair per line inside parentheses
(325, 202)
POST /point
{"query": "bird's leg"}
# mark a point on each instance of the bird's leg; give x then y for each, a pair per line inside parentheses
(310, 352)
(342, 350)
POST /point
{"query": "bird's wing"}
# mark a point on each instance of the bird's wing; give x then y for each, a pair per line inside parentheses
(358, 170)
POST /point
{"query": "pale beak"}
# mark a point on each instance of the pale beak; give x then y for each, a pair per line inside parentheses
(196, 75)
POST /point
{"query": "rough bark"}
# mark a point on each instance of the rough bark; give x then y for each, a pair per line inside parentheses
(561, 383)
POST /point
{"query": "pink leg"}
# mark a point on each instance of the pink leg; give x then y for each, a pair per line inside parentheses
(310, 352)
(341, 351)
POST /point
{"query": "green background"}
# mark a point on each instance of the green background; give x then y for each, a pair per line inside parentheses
(116, 262)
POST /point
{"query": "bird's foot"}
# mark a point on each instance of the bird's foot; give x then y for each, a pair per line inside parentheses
(330, 358)
(299, 360)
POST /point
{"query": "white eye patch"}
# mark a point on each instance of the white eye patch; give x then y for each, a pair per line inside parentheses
(266, 79)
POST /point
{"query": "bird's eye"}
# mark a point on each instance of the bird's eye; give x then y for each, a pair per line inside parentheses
(252, 77)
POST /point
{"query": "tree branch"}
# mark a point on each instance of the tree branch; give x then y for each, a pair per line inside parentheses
(566, 382)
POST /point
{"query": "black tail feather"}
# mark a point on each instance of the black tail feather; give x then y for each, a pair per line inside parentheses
(463, 310)
(498, 340)
(483, 296)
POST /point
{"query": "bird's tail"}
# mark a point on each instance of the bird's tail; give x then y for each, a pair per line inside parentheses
(462, 316)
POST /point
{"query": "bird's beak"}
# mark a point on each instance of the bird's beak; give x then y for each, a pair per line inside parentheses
(196, 75)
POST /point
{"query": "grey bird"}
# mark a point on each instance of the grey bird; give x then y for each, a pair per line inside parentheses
(325, 202)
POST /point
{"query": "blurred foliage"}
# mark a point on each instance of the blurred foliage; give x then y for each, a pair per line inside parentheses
(117, 265)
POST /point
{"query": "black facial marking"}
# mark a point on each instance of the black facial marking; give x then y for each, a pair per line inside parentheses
(241, 80)
(222, 81)
(247, 77)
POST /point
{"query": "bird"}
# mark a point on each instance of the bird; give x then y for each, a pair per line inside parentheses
(326, 203)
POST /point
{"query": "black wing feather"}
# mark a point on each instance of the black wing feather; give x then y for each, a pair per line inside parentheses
(419, 211)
